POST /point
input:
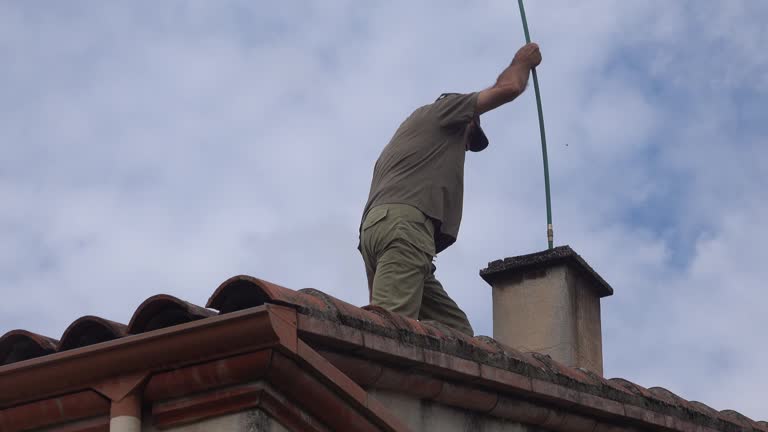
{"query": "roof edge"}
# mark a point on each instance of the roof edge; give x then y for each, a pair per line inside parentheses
(505, 370)
(195, 341)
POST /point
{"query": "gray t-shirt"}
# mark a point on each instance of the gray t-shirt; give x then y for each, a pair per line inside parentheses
(423, 164)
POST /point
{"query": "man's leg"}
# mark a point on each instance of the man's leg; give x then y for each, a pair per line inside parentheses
(397, 248)
(398, 284)
(436, 305)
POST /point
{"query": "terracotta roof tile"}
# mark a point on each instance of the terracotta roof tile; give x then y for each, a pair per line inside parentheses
(242, 292)
(399, 322)
(632, 387)
(162, 311)
(704, 409)
(508, 357)
(566, 372)
(738, 418)
(421, 349)
(89, 330)
(605, 383)
(18, 345)
(668, 397)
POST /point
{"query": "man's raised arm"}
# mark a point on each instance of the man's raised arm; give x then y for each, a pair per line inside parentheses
(512, 82)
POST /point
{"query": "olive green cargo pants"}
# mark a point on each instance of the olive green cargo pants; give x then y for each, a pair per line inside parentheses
(398, 246)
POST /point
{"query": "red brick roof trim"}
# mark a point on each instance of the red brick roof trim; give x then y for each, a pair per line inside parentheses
(66, 408)
(486, 351)
(331, 322)
(159, 349)
(162, 311)
(89, 330)
(89, 425)
(184, 395)
(244, 291)
(494, 400)
(212, 403)
(183, 362)
(481, 349)
(18, 345)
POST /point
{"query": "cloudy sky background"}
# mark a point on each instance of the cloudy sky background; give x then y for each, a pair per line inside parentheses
(161, 147)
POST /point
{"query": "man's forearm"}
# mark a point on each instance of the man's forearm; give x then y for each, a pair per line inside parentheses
(509, 85)
(512, 81)
(514, 76)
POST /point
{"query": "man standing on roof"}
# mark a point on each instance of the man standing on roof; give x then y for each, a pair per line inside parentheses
(415, 203)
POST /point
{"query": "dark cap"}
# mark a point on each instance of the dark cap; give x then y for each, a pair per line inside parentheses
(477, 141)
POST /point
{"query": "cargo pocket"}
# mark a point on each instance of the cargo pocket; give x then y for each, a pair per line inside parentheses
(374, 216)
(372, 236)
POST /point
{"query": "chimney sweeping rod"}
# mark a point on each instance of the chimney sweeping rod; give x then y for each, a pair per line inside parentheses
(550, 230)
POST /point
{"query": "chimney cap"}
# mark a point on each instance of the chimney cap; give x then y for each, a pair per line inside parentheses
(544, 259)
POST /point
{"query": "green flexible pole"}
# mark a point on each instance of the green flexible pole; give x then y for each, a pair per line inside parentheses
(550, 230)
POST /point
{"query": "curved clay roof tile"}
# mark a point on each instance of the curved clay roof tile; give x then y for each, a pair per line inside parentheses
(243, 292)
(704, 408)
(89, 330)
(238, 293)
(632, 387)
(665, 395)
(18, 345)
(737, 417)
(162, 311)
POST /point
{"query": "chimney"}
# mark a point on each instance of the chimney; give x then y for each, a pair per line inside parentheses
(549, 302)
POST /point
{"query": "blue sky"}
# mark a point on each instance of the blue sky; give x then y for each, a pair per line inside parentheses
(162, 147)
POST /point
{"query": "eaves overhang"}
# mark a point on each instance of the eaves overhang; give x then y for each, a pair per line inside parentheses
(158, 350)
(250, 358)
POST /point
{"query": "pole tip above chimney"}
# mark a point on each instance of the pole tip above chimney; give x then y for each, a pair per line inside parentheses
(541, 260)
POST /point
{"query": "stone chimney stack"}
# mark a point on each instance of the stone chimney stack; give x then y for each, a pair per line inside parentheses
(549, 302)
